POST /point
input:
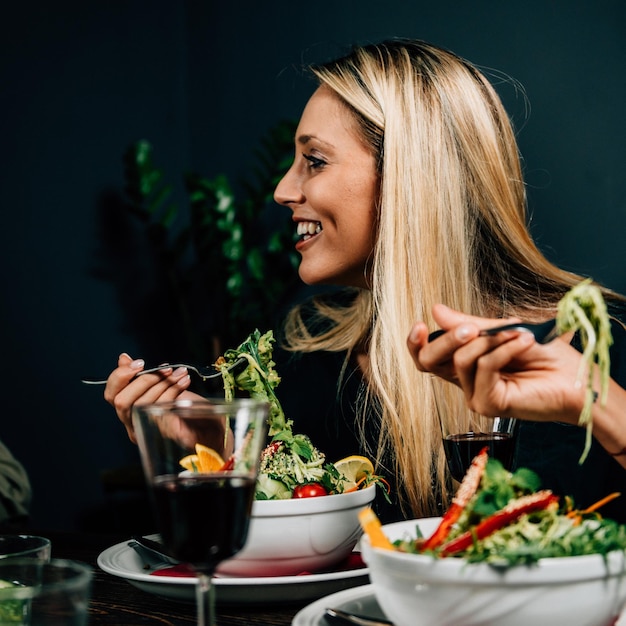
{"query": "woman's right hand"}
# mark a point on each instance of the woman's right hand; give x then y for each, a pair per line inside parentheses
(123, 390)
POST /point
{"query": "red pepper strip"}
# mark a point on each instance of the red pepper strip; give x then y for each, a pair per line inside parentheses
(505, 516)
(229, 465)
(464, 494)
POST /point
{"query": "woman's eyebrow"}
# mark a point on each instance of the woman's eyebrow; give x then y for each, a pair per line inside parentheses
(304, 139)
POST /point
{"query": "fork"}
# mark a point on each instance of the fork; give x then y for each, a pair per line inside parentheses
(344, 617)
(544, 331)
(205, 372)
(153, 548)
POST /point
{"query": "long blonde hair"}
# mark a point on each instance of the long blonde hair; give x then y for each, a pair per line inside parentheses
(451, 229)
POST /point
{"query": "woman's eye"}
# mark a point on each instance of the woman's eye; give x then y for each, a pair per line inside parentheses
(314, 162)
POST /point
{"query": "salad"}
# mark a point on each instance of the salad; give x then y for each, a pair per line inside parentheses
(505, 519)
(291, 466)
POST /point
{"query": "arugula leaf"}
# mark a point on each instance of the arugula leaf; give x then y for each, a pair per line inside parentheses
(524, 480)
(498, 486)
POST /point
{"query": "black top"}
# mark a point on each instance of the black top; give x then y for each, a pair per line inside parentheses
(310, 397)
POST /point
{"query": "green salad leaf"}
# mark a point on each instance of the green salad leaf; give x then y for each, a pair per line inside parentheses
(259, 378)
(498, 487)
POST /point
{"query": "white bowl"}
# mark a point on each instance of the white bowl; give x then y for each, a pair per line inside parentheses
(418, 589)
(289, 537)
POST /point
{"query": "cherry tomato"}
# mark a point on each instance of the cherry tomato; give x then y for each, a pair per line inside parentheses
(310, 490)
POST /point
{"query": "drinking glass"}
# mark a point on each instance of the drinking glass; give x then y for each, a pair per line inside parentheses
(499, 435)
(44, 593)
(22, 546)
(203, 517)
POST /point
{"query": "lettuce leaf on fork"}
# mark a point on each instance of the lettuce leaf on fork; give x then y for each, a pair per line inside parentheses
(259, 378)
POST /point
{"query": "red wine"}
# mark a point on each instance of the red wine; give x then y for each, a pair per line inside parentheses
(462, 448)
(204, 519)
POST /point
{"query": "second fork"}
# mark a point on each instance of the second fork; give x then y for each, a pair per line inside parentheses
(544, 331)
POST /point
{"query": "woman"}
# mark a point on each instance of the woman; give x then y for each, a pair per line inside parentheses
(407, 190)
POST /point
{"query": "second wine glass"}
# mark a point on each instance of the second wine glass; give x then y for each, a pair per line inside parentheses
(203, 516)
(498, 435)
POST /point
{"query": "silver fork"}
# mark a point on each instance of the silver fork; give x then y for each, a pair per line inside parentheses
(152, 548)
(544, 331)
(206, 372)
(344, 617)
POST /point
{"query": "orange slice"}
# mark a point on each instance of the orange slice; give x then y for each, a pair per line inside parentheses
(191, 463)
(373, 529)
(208, 459)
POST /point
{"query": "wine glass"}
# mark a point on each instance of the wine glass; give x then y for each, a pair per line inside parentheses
(203, 516)
(499, 435)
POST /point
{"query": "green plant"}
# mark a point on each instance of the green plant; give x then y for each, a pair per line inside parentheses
(230, 263)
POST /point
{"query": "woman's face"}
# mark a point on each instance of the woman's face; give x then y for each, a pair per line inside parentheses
(332, 189)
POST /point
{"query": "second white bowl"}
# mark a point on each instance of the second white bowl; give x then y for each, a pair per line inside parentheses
(289, 537)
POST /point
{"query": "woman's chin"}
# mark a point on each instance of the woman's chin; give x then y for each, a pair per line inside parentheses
(316, 276)
(311, 277)
(316, 279)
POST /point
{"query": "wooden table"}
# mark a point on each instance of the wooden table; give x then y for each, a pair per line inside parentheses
(115, 602)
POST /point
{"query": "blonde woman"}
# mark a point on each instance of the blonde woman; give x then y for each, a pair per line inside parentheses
(407, 190)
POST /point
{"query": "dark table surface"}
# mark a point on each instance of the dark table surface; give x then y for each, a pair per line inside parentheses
(116, 602)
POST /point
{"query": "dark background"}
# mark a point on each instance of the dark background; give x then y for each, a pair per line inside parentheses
(203, 81)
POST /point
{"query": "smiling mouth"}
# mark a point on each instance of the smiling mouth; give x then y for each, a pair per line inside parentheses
(306, 230)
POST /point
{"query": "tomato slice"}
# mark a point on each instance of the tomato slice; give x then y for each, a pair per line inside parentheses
(310, 490)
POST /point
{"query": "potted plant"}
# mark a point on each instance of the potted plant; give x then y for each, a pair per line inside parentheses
(232, 264)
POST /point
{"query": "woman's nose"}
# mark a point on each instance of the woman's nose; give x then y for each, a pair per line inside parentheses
(288, 191)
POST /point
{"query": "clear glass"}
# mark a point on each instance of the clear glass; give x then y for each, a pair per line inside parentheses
(202, 514)
(22, 546)
(499, 435)
(38, 593)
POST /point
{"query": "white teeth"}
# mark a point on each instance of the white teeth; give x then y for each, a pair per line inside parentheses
(307, 229)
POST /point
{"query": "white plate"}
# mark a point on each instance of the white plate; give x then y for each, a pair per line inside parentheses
(121, 560)
(360, 600)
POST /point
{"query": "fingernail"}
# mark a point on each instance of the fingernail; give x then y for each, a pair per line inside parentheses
(414, 334)
(183, 382)
(180, 371)
(462, 333)
(137, 364)
(527, 338)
